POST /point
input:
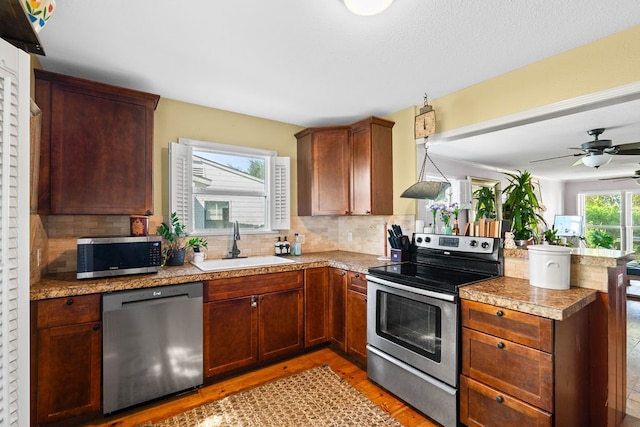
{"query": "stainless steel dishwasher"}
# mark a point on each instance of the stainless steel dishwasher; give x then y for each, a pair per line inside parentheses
(151, 344)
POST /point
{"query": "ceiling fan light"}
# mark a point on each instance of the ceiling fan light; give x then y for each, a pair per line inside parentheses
(367, 7)
(596, 160)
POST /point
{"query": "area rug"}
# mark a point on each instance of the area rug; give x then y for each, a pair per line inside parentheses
(316, 397)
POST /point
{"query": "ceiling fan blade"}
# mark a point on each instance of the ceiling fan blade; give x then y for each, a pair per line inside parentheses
(619, 178)
(557, 157)
(631, 149)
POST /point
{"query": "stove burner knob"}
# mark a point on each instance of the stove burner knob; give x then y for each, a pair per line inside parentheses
(419, 239)
(485, 245)
(473, 243)
(427, 239)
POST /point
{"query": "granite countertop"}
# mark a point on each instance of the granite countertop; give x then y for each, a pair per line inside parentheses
(586, 256)
(66, 284)
(517, 294)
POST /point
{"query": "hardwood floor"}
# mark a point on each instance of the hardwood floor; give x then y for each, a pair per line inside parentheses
(356, 376)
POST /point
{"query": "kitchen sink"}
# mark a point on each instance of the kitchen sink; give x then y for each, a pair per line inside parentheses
(233, 263)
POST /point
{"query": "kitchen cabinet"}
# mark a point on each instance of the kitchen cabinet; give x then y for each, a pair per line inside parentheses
(521, 369)
(338, 308)
(68, 357)
(346, 170)
(251, 319)
(357, 317)
(316, 306)
(96, 147)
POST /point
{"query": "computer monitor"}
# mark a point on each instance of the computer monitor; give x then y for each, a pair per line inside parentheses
(568, 225)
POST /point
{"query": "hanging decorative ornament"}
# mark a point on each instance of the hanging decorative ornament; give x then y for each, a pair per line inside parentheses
(39, 12)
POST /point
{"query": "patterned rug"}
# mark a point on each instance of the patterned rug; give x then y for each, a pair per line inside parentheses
(316, 397)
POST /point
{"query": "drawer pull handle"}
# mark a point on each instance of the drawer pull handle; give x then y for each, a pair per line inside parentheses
(500, 345)
(499, 399)
(70, 301)
(499, 313)
(96, 326)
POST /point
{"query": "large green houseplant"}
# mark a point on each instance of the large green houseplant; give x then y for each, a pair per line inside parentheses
(485, 200)
(175, 240)
(521, 206)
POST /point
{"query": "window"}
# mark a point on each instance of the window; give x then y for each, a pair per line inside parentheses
(214, 185)
(612, 219)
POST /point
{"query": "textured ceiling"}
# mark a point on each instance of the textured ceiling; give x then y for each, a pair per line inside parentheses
(314, 63)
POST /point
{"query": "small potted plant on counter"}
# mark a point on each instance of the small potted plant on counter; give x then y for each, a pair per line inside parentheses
(175, 243)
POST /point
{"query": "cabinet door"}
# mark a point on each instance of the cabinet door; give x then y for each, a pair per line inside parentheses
(69, 371)
(484, 406)
(338, 308)
(357, 326)
(97, 150)
(371, 167)
(230, 334)
(316, 306)
(281, 323)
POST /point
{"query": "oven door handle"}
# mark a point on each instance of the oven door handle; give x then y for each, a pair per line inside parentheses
(419, 291)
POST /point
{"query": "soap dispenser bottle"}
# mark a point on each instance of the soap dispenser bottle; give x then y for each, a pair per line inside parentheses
(278, 247)
(297, 245)
(286, 247)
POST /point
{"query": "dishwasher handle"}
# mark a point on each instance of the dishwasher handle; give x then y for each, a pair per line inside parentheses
(126, 305)
(150, 296)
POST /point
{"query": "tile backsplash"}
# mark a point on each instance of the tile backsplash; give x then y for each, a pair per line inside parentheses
(53, 238)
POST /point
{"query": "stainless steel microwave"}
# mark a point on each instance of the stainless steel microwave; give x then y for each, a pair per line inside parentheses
(118, 256)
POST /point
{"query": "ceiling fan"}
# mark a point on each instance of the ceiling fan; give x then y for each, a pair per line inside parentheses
(598, 152)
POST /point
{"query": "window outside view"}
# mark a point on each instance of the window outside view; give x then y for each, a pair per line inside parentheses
(612, 220)
(228, 188)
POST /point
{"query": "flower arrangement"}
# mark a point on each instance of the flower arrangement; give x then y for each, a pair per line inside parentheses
(455, 209)
(445, 215)
(434, 211)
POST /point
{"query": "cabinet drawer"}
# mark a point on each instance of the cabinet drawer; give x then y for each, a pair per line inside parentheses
(520, 371)
(68, 311)
(526, 329)
(236, 287)
(357, 282)
(481, 405)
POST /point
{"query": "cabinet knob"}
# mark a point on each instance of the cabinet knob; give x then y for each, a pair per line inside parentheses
(368, 212)
(254, 301)
(344, 273)
(70, 301)
(499, 399)
(500, 345)
(96, 326)
(499, 313)
(357, 275)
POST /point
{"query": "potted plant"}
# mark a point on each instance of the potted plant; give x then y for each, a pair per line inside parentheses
(175, 243)
(551, 236)
(522, 207)
(485, 203)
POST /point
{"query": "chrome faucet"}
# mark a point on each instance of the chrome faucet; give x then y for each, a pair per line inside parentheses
(236, 236)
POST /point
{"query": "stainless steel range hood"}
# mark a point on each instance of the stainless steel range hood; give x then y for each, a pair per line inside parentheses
(16, 28)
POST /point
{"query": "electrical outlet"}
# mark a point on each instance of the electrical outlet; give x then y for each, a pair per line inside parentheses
(349, 236)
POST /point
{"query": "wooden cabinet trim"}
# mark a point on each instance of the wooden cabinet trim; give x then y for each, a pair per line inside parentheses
(221, 289)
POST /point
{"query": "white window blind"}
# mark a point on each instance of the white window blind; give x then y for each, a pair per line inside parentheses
(281, 211)
(14, 236)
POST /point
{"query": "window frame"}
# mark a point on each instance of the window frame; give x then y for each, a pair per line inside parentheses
(626, 227)
(182, 191)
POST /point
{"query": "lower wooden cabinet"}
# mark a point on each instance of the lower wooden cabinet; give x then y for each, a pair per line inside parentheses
(357, 317)
(521, 369)
(251, 319)
(338, 308)
(316, 306)
(68, 354)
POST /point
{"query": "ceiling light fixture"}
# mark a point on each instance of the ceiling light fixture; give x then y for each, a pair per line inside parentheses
(596, 160)
(426, 189)
(367, 7)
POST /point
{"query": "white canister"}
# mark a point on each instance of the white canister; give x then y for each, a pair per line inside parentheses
(549, 266)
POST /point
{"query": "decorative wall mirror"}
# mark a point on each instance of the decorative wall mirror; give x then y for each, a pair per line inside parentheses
(487, 200)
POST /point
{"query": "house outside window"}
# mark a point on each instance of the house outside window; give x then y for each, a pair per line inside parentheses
(214, 185)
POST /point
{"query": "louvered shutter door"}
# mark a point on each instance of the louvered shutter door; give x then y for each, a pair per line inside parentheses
(180, 182)
(14, 236)
(281, 209)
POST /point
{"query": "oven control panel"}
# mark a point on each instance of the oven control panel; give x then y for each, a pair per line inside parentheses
(455, 243)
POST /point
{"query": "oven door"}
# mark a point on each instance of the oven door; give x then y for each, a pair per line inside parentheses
(416, 326)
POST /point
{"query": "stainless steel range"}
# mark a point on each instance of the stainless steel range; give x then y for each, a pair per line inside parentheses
(413, 314)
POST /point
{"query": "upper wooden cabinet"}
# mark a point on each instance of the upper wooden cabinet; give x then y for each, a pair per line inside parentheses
(96, 147)
(346, 170)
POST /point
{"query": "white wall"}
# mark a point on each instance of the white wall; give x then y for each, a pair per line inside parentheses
(571, 190)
